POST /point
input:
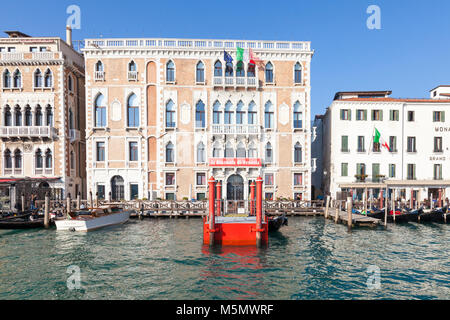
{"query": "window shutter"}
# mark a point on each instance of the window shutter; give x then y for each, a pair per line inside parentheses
(365, 115)
(381, 115)
(349, 114)
(443, 116)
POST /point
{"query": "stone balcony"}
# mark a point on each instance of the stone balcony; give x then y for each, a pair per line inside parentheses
(16, 58)
(25, 132)
(235, 129)
(235, 82)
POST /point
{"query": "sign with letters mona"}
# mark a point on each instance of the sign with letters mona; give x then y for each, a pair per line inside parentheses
(235, 162)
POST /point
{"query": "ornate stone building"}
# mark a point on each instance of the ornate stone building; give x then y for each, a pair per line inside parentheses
(163, 115)
(42, 113)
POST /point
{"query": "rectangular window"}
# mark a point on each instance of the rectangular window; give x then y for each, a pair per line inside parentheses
(298, 179)
(360, 171)
(376, 172)
(100, 151)
(268, 179)
(411, 171)
(344, 144)
(393, 144)
(410, 116)
(345, 114)
(438, 144)
(411, 144)
(394, 115)
(170, 196)
(376, 147)
(438, 116)
(392, 171)
(361, 115)
(11, 49)
(2, 49)
(377, 115)
(134, 191)
(344, 169)
(437, 172)
(201, 196)
(201, 179)
(101, 191)
(361, 147)
(268, 196)
(134, 154)
(170, 179)
(33, 49)
(43, 49)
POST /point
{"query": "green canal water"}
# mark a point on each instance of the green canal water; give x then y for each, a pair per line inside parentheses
(165, 259)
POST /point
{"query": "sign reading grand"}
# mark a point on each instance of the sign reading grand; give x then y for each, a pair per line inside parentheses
(235, 162)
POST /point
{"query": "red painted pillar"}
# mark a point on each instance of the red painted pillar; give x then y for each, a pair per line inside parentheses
(381, 199)
(212, 199)
(252, 198)
(259, 183)
(218, 199)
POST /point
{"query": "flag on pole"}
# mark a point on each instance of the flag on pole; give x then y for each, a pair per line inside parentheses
(378, 139)
(254, 59)
(227, 57)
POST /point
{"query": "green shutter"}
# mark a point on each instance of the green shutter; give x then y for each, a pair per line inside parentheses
(344, 143)
(365, 115)
(349, 114)
(443, 116)
(381, 115)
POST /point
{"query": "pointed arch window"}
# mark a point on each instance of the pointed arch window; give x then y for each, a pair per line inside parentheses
(71, 122)
(269, 153)
(170, 71)
(99, 66)
(6, 79)
(48, 159)
(228, 116)
(251, 70)
(269, 115)
(99, 74)
(298, 153)
(240, 69)
(200, 119)
(229, 69)
(17, 116)
(28, 116)
(17, 79)
(8, 116)
(48, 79)
(200, 72)
(170, 154)
(132, 66)
(252, 151)
(70, 83)
(39, 159)
(38, 116)
(298, 116)
(229, 152)
(252, 113)
(49, 115)
(7, 159)
(298, 73)
(133, 111)
(269, 72)
(18, 159)
(218, 69)
(240, 113)
(170, 115)
(201, 154)
(100, 111)
(38, 79)
(72, 160)
(240, 151)
(217, 151)
(216, 113)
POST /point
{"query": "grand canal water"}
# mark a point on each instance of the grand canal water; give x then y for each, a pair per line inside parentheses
(165, 259)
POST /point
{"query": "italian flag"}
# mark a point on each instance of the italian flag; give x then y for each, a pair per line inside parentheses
(378, 139)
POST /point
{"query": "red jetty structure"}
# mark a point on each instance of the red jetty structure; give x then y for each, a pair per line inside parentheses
(250, 228)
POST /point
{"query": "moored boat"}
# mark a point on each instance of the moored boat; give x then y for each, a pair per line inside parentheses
(22, 223)
(93, 219)
(275, 223)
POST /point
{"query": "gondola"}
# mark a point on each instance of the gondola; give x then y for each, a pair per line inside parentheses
(436, 215)
(275, 223)
(21, 223)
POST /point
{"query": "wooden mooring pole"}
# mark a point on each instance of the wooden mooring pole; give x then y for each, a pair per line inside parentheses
(327, 206)
(46, 211)
(386, 207)
(349, 212)
(78, 201)
(91, 203)
(23, 202)
(68, 205)
(338, 212)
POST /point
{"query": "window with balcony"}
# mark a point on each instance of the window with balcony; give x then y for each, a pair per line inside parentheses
(269, 153)
(411, 171)
(200, 72)
(269, 72)
(240, 113)
(252, 113)
(170, 153)
(133, 111)
(6, 79)
(99, 71)
(217, 152)
(132, 71)
(100, 111)
(48, 159)
(17, 116)
(7, 116)
(438, 144)
(218, 69)
(269, 115)
(228, 115)
(200, 117)
(411, 144)
(240, 69)
(170, 71)
(39, 160)
(38, 79)
(216, 113)
(18, 159)
(170, 114)
(17, 79)
(28, 116)
(298, 73)
(229, 69)
(240, 151)
(251, 70)
(201, 153)
(38, 116)
(229, 151)
(360, 172)
(298, 116)
(298, 153)
(100, 146)
(48, 79)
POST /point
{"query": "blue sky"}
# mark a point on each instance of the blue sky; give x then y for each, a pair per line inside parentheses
(409, 55)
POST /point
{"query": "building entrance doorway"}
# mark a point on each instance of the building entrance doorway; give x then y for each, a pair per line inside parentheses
(117, 188)
(235, 195)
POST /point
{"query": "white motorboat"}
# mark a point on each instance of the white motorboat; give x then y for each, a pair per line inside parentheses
(93, 219)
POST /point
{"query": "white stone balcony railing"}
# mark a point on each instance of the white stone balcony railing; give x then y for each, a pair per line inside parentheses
(21, 56)
(235, 129)
(132, 76)
(28, 132)
(196, 44)
(99, 76)
(74, 135)
(248, 82)
(43, 55)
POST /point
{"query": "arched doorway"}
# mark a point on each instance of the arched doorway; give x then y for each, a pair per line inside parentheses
(117, 188)
(235, 187)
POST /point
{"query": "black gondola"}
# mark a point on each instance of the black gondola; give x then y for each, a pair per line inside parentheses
(436, 215)
(275, 223)
(20, 223)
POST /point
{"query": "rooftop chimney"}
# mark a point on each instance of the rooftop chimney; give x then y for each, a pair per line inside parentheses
(69, 35)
